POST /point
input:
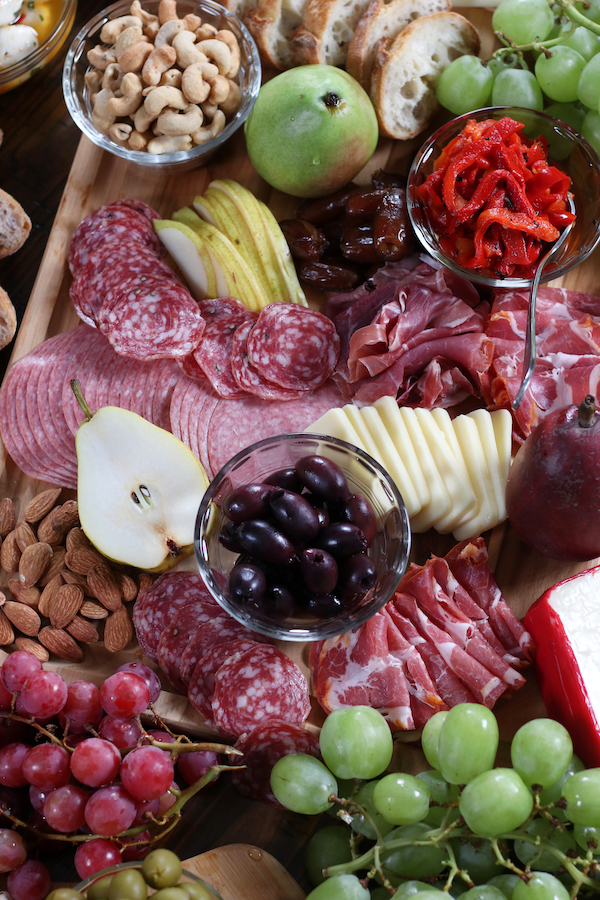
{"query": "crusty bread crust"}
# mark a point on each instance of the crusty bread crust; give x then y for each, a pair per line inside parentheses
(384, 20)
(15, 225)
(8, 319)
(271, 24)
(326, 32)
(406, 71)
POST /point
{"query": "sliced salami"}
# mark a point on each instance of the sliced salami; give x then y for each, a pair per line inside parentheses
(201, 685)
(158, 400)
(139, 207)
(247, 377)
(89, 346)
(262, 747)
(219, 630)
(50, 391)
(223, 318)
(262, 683)
(175, 638)
(110, 223)
(149, 317)
(294, 346)
(48, 448)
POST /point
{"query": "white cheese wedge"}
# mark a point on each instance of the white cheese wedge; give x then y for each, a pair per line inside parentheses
(487, 435)
(440, 504)
(486, 517)
(391, 459)
(502, 422)
(336, 424)
(389, 413)
(459, 488)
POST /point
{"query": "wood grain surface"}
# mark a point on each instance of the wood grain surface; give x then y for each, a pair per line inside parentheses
(244, 870)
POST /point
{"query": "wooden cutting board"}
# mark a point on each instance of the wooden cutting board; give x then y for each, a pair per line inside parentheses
(245, 872)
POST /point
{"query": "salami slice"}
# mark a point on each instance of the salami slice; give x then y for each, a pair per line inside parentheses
(149, 317)
(294, 346)
(110, 223)
(161, 387)
(50, 391)
(262, 683)
(89, 346)
(262, 747)
(138, 205)
(47, 446)
(219, 630)
(247, 377)
(201, 685)
(175, 638)
(223, 318)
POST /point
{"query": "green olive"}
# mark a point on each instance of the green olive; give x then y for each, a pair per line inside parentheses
(128, 884)
(64, 894)
(99, 889)
(161, 868)
(197, 891)
(176, 892)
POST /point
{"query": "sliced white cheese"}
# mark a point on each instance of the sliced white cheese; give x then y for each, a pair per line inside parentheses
(483, 420)
(502, 423)
(394, 425)
(391, 459)
(462, 495)
(353, 415)
(470, 443)
(440, 504)
(336, 424)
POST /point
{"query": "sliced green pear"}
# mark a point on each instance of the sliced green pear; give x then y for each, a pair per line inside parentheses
(241, 283)
(193, 257)
(138, 489)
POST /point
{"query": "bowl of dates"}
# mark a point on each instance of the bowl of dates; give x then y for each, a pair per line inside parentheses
(302, 537)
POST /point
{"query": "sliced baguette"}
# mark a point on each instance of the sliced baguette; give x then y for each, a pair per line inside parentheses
(384, 20)
(8, 319)
(407, 68)
(272, 23)
(239, 8)
(325, 35)
(15, 225)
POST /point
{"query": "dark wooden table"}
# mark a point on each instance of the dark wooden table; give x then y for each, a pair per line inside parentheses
(39, 143)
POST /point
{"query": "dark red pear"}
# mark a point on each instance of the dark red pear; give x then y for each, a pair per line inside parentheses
(553, 488)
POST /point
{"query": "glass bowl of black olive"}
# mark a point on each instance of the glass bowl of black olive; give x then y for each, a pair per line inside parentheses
(302, 537)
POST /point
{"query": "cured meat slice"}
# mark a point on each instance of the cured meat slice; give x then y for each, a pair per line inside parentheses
(294, 346)
(175, 638)
(155, 605)
(138, 205)
(149, 317)
(235, 424)
(201, 685)
(166, 374)
(219, 630)
(262, 747)
(262, 683)
(50, 390)
(88, 347)
(248, 378)
(116, 223)
(223, 318)
(38, 426)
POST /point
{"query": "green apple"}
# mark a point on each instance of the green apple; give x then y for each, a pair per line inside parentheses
(311, 130)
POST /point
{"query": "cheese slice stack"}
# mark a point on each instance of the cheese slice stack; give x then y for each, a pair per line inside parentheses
(451, 472)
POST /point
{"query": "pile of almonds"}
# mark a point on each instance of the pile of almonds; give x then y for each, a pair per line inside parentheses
(60, 590)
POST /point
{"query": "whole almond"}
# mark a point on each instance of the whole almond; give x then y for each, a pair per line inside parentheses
(10, 553)
(104, 587)
(47, 594)
(8, 517)
(30, 596)
(76, 538)
(25, 535)
(34, 561)
(83, 559)
(145, 580)
(64, 605)
(74, 578)
(60, 643)
(24, 618)
(127, 586)
(57, 564)
(118, 630)
(41, 504)
(64, 517)
(46, 532)
(7, 634)
(32, 646)
(93, 610)
(82, 630)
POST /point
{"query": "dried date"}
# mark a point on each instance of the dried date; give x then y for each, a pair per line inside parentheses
(328, 276)
(305, 240)
(391, 226)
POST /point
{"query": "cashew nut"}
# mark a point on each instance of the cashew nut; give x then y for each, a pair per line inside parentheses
(187, 50)
(102, 119)
(134, 57)
(172, 122)
(137, 141)
(209, 109)
(219, 89)
(93, 80)
(159, 60)
(206, 31)
(193, 85)
(142, 119)
(113, 28)
(167, 32)
(219, 52)
(192, 22)
(112, 78)
(229, 38)
(161, 97)
(167, 143)
(119, 132)
(131, 86)
(208, 132)
(172, 78)
(150, 22)
(127, 38)
(101, 57)
(167, 10)
(233, 99)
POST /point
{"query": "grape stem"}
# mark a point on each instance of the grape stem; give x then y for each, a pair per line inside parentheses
(573, 14)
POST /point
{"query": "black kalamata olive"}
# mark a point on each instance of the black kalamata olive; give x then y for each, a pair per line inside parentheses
(261, 538)
(358, 511)
(321, 510)
(285, 478)
(248, 502)
(294, 515)
(228, 537)
(279, 601)
(323, 606)
(358, 575)
(323, 477)
(341, 539)
(247, 583)
(319, 570)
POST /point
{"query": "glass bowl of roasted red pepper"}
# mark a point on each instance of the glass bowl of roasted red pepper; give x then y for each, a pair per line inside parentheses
(491, 191)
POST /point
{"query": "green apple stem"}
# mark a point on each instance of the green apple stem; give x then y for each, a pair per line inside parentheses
(76, 388)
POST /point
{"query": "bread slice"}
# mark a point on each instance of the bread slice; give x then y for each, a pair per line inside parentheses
(271, 24)
(239, 8)
(406, 71)
(326, 32)
(15, 225)
(8, 319)
(384, 20)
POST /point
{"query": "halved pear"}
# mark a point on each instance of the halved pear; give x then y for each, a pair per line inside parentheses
(194, 258)
(138, 489)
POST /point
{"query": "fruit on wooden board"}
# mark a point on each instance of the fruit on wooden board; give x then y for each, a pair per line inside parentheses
(138, 489)
(311, 130)
(553, 489)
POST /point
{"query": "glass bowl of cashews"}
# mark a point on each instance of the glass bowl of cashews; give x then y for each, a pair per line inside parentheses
(162, 83)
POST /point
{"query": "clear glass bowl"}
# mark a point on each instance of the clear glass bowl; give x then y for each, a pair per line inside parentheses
(390, 549)
(186, 877)
(568, 150)
(77, 97)
(30, 65)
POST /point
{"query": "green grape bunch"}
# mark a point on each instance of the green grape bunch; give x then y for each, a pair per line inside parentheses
(466, 827)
